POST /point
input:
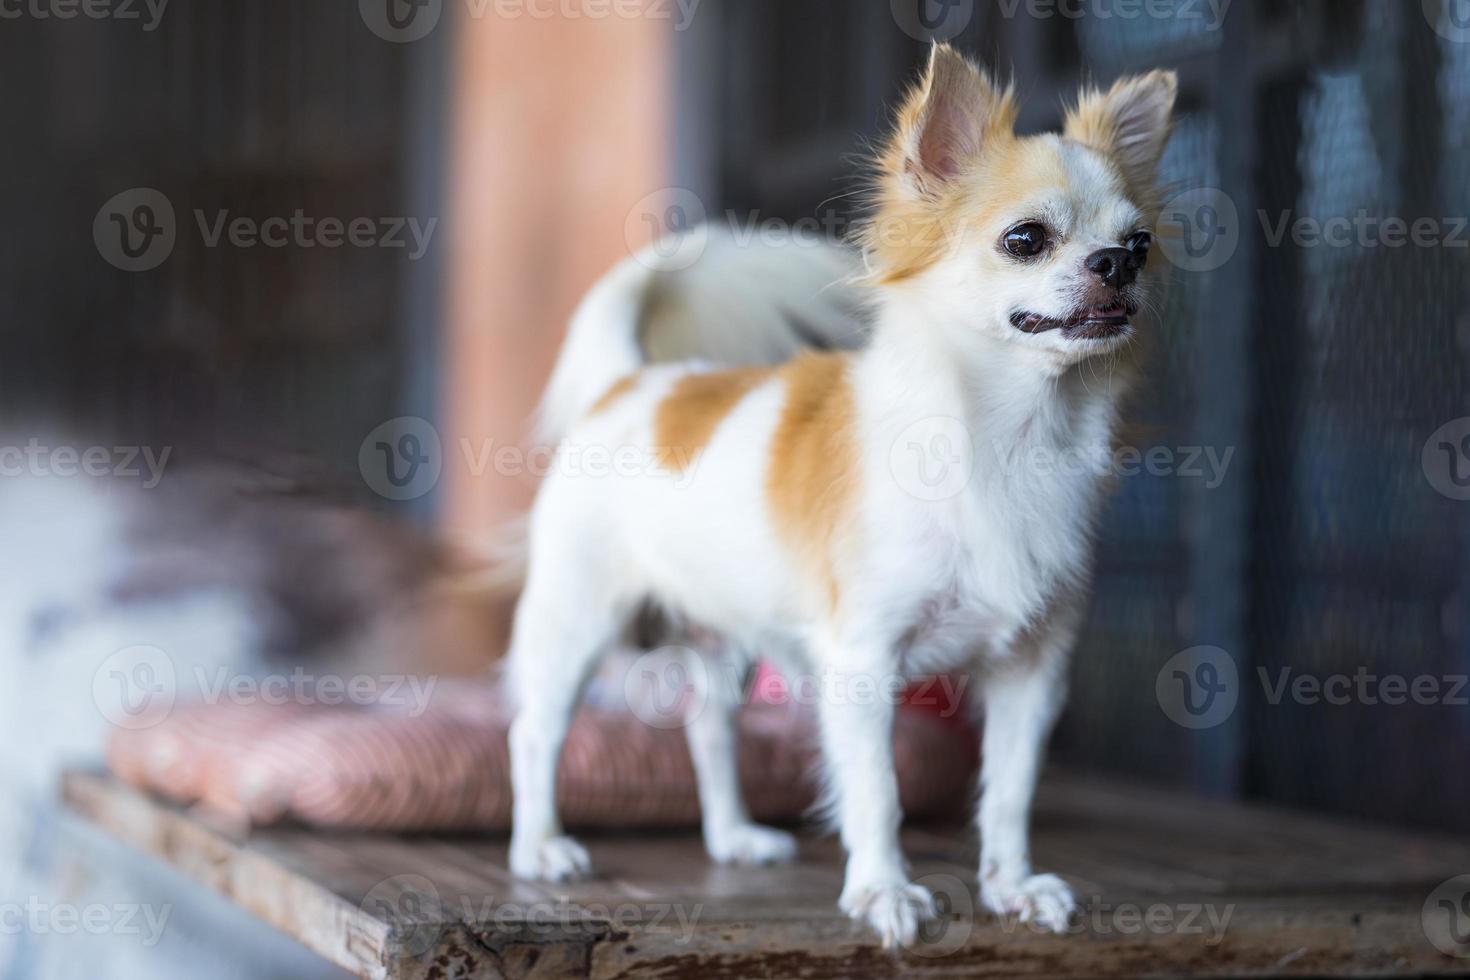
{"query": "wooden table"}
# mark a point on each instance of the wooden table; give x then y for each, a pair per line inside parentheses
(1168, 886)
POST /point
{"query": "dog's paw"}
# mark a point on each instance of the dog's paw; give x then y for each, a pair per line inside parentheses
(750, 843)
(549, 859)
(895, 910)
(1043, 900)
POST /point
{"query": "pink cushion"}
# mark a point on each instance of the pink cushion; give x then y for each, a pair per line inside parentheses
(447, 769)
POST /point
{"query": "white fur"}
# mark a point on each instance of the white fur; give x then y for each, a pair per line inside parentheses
(991, 581)
(706, 295)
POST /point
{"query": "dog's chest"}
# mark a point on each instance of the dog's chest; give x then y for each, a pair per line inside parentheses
(999, 559)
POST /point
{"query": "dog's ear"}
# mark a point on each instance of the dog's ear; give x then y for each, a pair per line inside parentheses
(1130, 123)
(946, 122)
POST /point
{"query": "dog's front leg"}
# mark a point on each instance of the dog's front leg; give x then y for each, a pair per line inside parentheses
(1022, 698)
(857, 743)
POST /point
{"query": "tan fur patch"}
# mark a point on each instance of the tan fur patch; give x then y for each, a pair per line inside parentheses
(814, 461)
(619, 389)
(1129, 124)
(686, 419)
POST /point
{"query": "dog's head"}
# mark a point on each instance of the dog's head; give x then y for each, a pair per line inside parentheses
(1039, 240)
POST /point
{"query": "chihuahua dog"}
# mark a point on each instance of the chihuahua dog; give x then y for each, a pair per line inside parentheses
(793, 511)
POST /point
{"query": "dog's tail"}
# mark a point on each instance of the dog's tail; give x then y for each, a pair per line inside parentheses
(707, 296)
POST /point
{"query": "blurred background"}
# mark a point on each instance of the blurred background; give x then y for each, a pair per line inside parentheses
(485, 160)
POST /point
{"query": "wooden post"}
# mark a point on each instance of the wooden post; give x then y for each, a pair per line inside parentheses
(558, 127)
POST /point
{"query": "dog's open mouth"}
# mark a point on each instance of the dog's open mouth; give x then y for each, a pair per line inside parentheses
(1093, 323)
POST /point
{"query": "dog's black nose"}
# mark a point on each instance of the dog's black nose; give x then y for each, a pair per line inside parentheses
(1116, 267)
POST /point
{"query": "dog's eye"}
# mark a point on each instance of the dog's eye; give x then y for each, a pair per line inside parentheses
(1139, 243)
(1025, 241)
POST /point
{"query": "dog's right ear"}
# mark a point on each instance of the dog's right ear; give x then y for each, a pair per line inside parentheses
(947, 122)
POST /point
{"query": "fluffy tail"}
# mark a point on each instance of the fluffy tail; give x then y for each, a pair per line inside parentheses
(711, 297)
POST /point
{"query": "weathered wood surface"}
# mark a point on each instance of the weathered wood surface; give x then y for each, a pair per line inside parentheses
(1169, 886)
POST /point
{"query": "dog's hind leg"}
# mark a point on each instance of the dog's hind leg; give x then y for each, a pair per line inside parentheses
(567, 616)
(712, 731)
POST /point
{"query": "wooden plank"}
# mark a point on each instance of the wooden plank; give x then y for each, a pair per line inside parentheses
(1167, 886)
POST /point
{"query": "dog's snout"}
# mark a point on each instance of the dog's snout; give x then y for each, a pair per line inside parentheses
(1116, 267)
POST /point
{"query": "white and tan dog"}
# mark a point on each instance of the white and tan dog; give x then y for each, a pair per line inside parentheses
(782, 508)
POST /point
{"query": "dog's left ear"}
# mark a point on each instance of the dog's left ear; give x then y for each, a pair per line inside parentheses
(1130, 123)
(947, 122)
